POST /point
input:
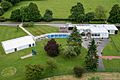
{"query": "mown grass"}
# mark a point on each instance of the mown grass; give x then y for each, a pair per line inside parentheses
(65, 66)
(113, 47)
(61, 8)
(42, 29)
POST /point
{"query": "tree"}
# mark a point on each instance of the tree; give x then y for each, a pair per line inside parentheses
(34, 72)
(92, 57)
(51, 65)
(15, 15)
(114, 16)
(77, 13)
(75, 40)
(48, 16)
(52, 48)
(6, 5)
(89, 16)
(69, 52)
(1, 11)
(30, 13)
(100, 12)
(14, 1)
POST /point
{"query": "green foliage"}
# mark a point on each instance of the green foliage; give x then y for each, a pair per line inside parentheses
(77, 13)
(75, 40)
(78, 71)
(14, 1)
(69, 52)
(92, 58)
(1, 11)
(89, 16)
(28, 24)
(94, 78)
(34, 72)
(15, 15)
(51, 65)
(114, 14)
(48, 16)
(52, 48)
(30, 13)
(100, 12)
(6, 5)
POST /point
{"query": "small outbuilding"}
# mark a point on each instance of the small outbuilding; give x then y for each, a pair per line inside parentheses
(17, 44)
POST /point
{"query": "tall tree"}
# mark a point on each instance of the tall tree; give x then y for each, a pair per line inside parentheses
(75, 40)
(89, 16)
(6, 5)
(1, 11)
(100, 12)
(77, 13)
(91, 57)
(15, 15)
(14, 1)
(114, 16)
(48, 16)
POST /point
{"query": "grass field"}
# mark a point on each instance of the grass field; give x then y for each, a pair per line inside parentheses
(7, 33)
(65, 66)
(113, 47)
(61, 8)
(42, 29)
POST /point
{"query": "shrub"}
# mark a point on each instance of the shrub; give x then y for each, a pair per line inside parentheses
(28, 24)
(69, 52)
(51, 65)
(6, 5)
(52, 48)
(78, 71)
(34, 72)
(48, 16)
(2, 19)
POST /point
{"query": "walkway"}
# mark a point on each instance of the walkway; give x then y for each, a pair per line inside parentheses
(20, 25)
(109, 57)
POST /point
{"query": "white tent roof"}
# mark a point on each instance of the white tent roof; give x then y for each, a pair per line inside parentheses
(18, 42)
(110, 27)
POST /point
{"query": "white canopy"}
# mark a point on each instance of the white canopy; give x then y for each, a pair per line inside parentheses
(18, 42)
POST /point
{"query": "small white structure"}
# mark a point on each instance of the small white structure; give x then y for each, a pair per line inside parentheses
(17, 44)
(112, 29)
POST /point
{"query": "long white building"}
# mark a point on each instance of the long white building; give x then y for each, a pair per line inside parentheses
(17, 44)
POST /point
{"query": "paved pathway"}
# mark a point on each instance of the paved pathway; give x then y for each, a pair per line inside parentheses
(99, 49)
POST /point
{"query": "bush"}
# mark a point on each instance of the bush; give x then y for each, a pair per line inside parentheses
(28, 24)
(51, 65)
(48, 16)
(52, 48)
(78, 71)
(34, 72)
(6, 5)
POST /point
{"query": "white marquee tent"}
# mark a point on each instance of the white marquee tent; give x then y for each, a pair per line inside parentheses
(17, 44)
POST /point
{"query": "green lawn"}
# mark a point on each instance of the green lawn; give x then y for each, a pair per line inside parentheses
(42, 29)
(7, 32)
(61, 8)
(65, 66)
(113, 47)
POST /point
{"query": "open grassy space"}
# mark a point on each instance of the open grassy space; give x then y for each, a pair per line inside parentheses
(42, 29)
(113, 47)
(61, 8)
(65, 66)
